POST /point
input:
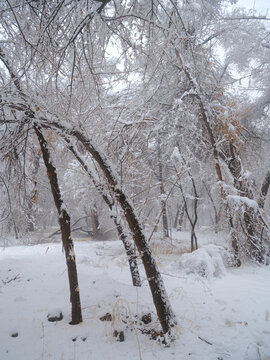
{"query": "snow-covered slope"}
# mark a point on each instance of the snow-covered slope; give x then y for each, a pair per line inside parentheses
(220, 317)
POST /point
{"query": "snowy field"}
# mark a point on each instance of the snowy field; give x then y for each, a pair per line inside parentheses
(223, 313)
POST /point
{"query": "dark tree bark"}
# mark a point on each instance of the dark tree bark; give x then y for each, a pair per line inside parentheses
(193, 221)
(264, 190)
(132, 258)
(164, 311)
(64, 221)
(193, 236)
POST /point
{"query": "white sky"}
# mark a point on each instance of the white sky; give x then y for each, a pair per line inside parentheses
(260, 5)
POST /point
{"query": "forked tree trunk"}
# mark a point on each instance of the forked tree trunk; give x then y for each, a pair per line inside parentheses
(193, 237)
(64, 221)
(161, 301)
(164, 311)
(192, 220)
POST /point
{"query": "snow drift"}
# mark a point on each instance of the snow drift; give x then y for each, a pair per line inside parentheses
(208, 261)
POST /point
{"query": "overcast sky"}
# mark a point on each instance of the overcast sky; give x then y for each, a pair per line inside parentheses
(259, 5)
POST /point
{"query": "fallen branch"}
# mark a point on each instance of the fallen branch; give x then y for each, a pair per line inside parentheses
(207, 342)
(57, 232)
(13, 279)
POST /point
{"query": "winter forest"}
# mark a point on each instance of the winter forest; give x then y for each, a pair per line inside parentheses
(134, 178)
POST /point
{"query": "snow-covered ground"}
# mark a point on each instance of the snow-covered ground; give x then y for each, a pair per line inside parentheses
(223, 313)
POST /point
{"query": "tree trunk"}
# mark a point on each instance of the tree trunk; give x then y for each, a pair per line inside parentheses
(30, 213)
(64, 221)
(251, 220)
(132, 259)
(216, 221)
(181, 219)
(176, 217)
(192, 221)
(63, 217)
(264, 190)
(161, 301)
(94, 221)
(194, 240)
(162, 194)
(164, 311)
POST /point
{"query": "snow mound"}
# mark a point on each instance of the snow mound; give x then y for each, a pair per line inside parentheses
(207, 262)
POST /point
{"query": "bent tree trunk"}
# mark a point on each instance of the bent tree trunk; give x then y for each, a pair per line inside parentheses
(64, 221)
(132, 259)
(63, 217)
(160, 299)
(164, 311)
